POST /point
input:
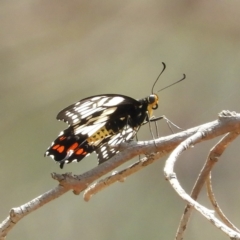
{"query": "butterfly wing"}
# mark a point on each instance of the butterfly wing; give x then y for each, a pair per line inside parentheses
(69, 147)
(95, 122)
(96, 108)
(110, 147)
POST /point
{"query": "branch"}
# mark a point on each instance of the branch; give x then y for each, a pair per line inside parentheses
(164, 145)
(205, 173)
(171, 176)
(16, 214)
(119, 176)
(213, 157)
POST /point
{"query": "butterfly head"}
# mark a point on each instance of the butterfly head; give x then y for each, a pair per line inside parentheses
(152, 103)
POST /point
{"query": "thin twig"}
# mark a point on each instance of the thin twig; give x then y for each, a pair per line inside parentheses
(217, 207)
(120, 175)
(214, 156)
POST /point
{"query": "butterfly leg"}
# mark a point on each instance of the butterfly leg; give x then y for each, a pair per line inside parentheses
(169, 123)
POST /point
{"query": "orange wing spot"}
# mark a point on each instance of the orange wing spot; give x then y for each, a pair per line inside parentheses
(79, 151)
(61, 149)
(62, 138)
(84, 153)
(55, 146)
(73, 146)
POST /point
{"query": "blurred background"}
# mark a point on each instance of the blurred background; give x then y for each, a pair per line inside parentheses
(54, 53)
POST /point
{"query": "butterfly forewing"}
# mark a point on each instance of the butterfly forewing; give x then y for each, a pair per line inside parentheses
(92, 109)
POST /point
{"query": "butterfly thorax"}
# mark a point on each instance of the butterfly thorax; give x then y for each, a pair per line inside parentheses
(137, 115)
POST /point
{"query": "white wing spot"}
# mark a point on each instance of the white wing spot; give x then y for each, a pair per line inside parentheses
(109, 111)
(84, 104)
(101, 120)
(89, 130)
(102, 101)
(61, 133)
(76, 121)
(95, 98)
(129, 136)
(103, 148)
(105, 154)
(88, 113)
(69, 114)
(74, 117)
(80, 109)
(113, 101)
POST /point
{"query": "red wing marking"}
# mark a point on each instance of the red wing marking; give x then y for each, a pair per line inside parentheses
(73, 146)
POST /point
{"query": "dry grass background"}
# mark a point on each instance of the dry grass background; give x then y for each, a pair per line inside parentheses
(53, 53)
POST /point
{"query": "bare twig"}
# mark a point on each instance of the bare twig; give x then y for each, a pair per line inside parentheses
(171, 176)
(212, 158)
(121, 175)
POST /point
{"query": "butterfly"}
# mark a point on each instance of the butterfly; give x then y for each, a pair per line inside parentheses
(99, 123)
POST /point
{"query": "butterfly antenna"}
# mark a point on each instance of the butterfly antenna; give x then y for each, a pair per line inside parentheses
(184, 76)
(164, 67)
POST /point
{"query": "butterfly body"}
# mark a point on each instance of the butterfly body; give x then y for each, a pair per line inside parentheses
(97, 124)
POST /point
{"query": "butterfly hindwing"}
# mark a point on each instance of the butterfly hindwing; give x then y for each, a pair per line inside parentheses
(69, 147)
(109, 148)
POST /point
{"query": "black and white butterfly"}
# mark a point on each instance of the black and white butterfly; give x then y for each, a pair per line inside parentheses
(99, 123)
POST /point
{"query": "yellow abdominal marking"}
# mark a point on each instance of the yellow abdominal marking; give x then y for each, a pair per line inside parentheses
(100, 134)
